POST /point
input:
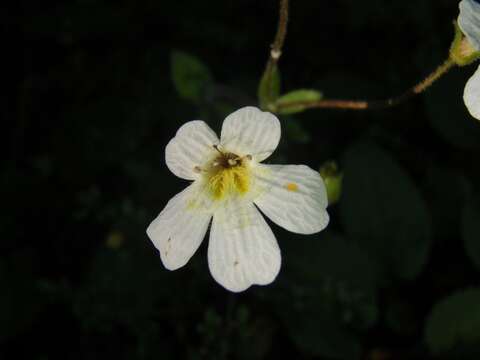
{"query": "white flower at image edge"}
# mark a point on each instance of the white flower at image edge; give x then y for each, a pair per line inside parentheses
(230, 185)
(469, 23)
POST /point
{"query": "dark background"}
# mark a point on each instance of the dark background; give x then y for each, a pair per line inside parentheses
(88, 108)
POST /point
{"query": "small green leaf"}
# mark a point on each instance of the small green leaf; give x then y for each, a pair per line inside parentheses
(190, 76)
(454, 321)
(292, 102)
(269, 88)
(471, 231)
(383, 210)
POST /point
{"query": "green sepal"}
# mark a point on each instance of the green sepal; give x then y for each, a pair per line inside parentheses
(294, 101)
(333, 181)
(457, 51)
(269, 88)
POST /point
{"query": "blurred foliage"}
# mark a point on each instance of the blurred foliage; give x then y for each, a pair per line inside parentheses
(95, 90)
(451, 328)
(190, 77)
(329, 303)
(383, 211)
(471, 230)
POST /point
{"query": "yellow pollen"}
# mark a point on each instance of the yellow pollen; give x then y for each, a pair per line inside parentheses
(228, 180)
(291, 187)
(228, 174)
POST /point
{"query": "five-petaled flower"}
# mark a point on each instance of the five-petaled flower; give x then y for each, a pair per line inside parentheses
(469, 23)
(229, 183)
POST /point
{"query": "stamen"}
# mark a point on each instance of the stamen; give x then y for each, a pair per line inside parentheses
(248, 157)
(197, 169)
(216, 148)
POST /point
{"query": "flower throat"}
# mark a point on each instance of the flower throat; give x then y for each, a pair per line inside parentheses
(228, 174)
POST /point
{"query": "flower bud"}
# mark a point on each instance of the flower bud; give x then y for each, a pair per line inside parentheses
(466, 45)
(333, 181)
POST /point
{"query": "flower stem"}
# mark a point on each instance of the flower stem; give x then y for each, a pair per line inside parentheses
(281, 32)
(434, 76)
(375, 104)
(276, 47)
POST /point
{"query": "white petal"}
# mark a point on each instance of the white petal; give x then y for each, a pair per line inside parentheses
(192, 146)
(249, 131)
(292, 196)
(469, 21)
(242, 250)
(471, 95)
(181, 226)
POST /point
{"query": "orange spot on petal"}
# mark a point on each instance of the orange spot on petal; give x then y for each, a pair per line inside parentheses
(291, 187)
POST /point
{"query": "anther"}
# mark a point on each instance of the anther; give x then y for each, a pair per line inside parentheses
(197, 169)
(216, 148)
(249, 157)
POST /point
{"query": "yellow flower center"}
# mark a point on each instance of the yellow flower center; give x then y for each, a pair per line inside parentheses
(228, 174)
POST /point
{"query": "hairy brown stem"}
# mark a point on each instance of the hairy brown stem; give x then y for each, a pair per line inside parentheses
(277, 45)
(375, 104)
(281, 32)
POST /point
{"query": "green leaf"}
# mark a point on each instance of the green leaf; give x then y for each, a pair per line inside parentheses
(269, 88)
(471, 230)
(316, 261)
(190, 76)
(383, 210)
(288, 103)
(454, 321)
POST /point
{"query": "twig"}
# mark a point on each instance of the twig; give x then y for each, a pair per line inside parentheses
(375, 104)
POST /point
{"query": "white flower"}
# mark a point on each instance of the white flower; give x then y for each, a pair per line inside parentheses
(471, 95)
(228, 181)
(469, 23)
